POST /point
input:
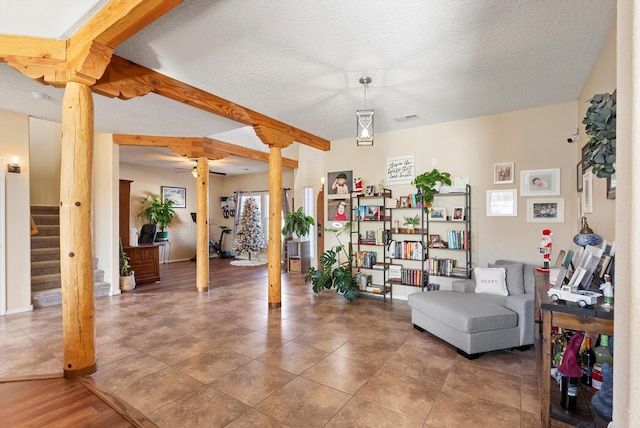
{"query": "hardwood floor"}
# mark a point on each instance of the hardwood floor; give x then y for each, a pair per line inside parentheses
(54, 401)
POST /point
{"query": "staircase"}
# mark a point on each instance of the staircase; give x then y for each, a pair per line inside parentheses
(45, 260)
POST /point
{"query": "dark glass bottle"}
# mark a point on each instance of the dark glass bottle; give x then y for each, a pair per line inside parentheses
(587, 360)
(569, 392)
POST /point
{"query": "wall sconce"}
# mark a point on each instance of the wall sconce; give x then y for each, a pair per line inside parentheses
(321, 183)
(194, 172)
(14, 166)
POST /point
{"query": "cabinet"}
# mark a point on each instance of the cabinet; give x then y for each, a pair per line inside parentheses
(567, 315)
(298, 256)
(370, 224)
(441, 247)
(145, 262)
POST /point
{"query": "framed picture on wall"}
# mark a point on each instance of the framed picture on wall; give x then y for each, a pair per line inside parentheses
(611, 186)
(503, 173)
(545, 210)
(177, 194)
(540, 182)
(502, 202)
(579, 171)
(587, 192)
(339, 183)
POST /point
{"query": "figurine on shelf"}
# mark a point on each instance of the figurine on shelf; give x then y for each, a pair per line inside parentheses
(545, 250)
(357, 186)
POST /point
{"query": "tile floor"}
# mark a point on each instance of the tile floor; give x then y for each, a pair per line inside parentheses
(223, 359)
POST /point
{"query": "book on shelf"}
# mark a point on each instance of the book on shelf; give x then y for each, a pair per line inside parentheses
(365, 259)
(457, 239)
(363, 281)
(391, 203)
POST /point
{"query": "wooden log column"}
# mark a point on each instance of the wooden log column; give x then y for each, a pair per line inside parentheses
(202, 225)
(76, 249)
(276, 141)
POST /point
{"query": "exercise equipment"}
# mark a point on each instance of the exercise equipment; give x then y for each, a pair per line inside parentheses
(217, 247)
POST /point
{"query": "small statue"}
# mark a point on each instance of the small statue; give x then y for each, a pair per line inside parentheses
(545, 249)
(380, 190)
(357, 186)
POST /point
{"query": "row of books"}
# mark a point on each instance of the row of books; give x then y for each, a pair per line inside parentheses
(366, 259)
(457, 239)
(442, 267)
(374, 237)
(414, 277)
(410, 250)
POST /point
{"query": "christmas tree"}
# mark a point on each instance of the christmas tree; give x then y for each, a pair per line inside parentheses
(249, 237)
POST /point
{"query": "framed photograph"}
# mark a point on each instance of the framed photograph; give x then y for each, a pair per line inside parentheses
(540, 182)
(545, 210)
(457, 214)
(434, 238)
(437, 214)
(587, 192)
(611, 186)
(339, 183)
(177, 194)
(404, 202)
(583, 152)
(579, 177)
(503, 173)
(338, 210)
(502, 202)
(369, 191)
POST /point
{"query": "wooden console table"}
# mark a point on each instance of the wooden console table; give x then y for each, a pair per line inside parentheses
(567, 315)
(145, 262)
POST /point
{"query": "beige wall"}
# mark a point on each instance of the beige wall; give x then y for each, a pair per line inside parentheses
(532, 139)
(602, 79)
(44, 146)
(14, 141)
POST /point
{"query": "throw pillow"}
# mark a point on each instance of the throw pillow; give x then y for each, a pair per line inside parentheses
(491, 281)
(515, 276)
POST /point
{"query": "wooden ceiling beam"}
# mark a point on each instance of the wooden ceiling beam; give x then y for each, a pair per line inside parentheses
(194, 147)
(125, 79)
(32, 47)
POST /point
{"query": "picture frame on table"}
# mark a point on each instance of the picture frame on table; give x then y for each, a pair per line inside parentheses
(550, 210)
(177, 194)
(540, 182)
(457, 214)
(434, 238)
(579, 172)
(503, 173)
(369, 191)
(502, 202)
(437, 214)
(404, 202)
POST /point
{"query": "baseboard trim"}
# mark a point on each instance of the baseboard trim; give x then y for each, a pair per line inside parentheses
(19, 310)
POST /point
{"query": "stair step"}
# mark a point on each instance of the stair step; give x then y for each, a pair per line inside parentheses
(44, 219)
(45, 267)
(45, 282)
(45, 209)
(45, 241)
(53, 297)
(48, 230)
(44, 254)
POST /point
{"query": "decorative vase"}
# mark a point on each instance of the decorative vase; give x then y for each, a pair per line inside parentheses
(128, 283)
(586, 236)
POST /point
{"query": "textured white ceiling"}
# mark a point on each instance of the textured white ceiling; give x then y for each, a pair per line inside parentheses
(299, 61)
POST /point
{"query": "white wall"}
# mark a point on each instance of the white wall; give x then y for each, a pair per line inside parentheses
(14, 141)
(44, 146)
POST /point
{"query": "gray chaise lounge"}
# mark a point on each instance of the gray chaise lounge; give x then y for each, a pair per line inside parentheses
(478, 322)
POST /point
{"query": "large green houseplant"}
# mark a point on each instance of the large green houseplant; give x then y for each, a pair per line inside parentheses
(335, 272)
(157, 211)
(428, 184)
(297, 223)
(600, 126)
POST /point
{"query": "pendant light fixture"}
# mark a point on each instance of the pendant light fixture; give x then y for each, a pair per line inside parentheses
(364, 123)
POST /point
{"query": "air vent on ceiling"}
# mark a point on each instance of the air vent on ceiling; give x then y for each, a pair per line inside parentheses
(405, 118)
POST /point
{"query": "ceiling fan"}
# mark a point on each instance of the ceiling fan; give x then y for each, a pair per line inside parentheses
(194, 169)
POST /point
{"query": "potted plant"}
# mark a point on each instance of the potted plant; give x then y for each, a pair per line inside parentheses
(335, 272)
(600, 126)
(159, 212)
(412, 222)
(428, 184)
(297, 223)
(127, 277)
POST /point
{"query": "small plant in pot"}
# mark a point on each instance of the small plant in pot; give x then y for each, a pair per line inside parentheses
(127, 278)
(335, 272)
(158, 212)
(412, 222)
(428, 184)
(297, 223)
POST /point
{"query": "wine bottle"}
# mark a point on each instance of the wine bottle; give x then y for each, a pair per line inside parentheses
(558, 346)
(569, 392)
(587, 360)
(602, 352)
